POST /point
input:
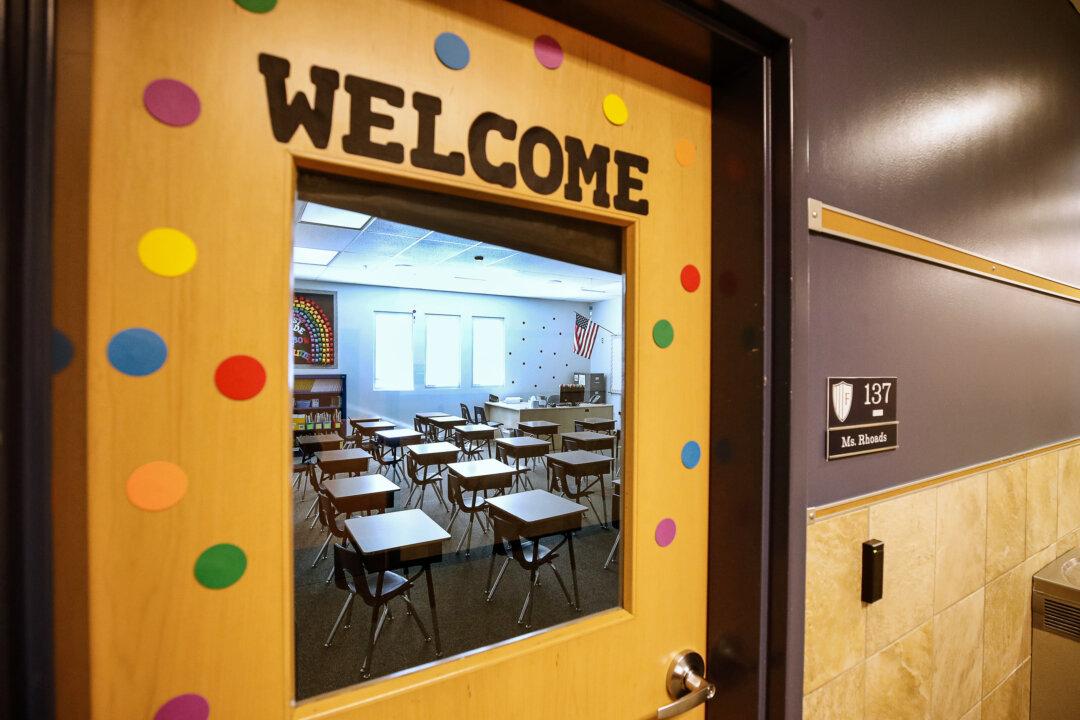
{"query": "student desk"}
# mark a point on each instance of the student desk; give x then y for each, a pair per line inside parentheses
(400, 540)
(596, 424)
(539, 429)
(355, 421)
(477, 476)
(580, 464)
(536, 514)
(445, 423)
(587, 440)
(471, 437)
(421, 422)
(394, 440)
(419, 459)
(521, 448)
(310, 444)
(362, 493)
(351, 461)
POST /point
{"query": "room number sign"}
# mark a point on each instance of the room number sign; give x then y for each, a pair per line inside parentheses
(861, 416)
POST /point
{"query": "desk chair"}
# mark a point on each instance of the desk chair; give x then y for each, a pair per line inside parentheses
(481, 418)
(560, 482)
(470, 506)
(418, 477)
(327, 517)
(300, 473)
(529, 555)
(465, 413)
(376, 590)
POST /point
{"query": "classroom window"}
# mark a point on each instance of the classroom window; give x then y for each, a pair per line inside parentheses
(393, 351)
(488, 352)
(442, 367)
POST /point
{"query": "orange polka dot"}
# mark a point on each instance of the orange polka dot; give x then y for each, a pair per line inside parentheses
(685, 152)
(157, 485)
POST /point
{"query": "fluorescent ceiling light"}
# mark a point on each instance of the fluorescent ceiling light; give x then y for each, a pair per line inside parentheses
(325, 215)
(313, 256)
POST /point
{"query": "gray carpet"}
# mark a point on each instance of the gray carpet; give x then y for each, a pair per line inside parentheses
(466, 620)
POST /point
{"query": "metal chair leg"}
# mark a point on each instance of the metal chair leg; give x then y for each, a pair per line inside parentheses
(498, 579)
(322, 550)
(410, 610)
(614, 547)
(562, 584)
(344, 608)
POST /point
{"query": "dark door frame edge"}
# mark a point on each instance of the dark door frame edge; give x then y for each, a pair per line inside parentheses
(26, 144)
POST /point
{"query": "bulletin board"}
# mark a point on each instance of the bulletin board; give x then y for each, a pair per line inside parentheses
(314, 329)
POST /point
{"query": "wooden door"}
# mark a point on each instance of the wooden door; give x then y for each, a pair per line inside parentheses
(192, 165)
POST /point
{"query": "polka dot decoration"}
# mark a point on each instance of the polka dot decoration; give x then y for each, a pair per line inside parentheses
(665, 532)
(685, 152)
(690, 278)
(257, 6)
(61, 351)
(663, 334)
(220, 566)
(156, 485)
(691, 454)
(452, 51)
(137, 351)
(171, 102)
(167, 252)
(184, 707)
(548, 51)
(240, 377)
(615, 109)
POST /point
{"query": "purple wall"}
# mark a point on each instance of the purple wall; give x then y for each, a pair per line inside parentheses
(960, 121)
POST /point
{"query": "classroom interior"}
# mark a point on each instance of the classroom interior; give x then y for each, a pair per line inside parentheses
(457, 440)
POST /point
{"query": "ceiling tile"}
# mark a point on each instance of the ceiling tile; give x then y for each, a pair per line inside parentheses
(322, 237)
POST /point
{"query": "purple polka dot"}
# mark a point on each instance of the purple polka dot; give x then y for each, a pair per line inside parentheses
(665, 532)
(548, 51)
(172, 102)
(184, 707)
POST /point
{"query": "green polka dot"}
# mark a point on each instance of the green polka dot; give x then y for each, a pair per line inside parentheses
(257, 6)
(663, 334)
(220, 566)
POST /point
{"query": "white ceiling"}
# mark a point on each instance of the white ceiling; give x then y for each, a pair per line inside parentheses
(381, 252)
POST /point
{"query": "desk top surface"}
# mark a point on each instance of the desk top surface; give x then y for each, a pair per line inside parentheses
(376, 425)
(347, 487)
(435, 448)
(427, 415)
(394, 531)
(447, 420)
(578, 457)
(480, 468)
(397, 434)
(538, 424)
(473, 428)
(522, 441)
(535, 505)
(588, 436)
(340, 455)
(323, 438)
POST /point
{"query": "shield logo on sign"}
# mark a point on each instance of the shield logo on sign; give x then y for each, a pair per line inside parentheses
(841, 399)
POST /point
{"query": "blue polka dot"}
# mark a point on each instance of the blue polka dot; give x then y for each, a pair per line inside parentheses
(137, 351)
(62, 351)
(691, 454)
(452, 51)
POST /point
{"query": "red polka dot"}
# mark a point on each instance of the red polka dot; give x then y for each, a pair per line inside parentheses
(690, 278)
(240, 377)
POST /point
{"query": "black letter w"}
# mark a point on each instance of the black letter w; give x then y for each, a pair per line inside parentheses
(285, 117)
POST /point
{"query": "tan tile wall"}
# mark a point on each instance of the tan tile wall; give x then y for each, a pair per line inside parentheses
(951, 637)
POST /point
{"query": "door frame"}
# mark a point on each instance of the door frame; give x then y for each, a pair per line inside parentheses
(754, 642)
(26, 147)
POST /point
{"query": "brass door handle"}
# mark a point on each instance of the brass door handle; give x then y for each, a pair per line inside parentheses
(686, 684)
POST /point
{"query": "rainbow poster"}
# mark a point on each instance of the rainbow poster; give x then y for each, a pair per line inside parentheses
(314, 342)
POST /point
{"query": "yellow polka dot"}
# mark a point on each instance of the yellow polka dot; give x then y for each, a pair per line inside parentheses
(684, 152)
(156, 485)
(167, 251)
(615, 110)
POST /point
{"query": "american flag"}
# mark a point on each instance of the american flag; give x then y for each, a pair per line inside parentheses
(584, 335)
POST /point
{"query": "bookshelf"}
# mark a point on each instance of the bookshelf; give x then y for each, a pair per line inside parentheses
(319, 404)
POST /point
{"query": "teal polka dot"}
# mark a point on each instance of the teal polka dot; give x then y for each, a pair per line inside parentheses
(452, 51)
(691, 454)
(220, 566)
(663, 334)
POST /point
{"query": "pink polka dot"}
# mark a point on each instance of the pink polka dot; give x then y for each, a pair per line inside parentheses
(548, 51)
(172, 102)
(184, 707)
(665, 532)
